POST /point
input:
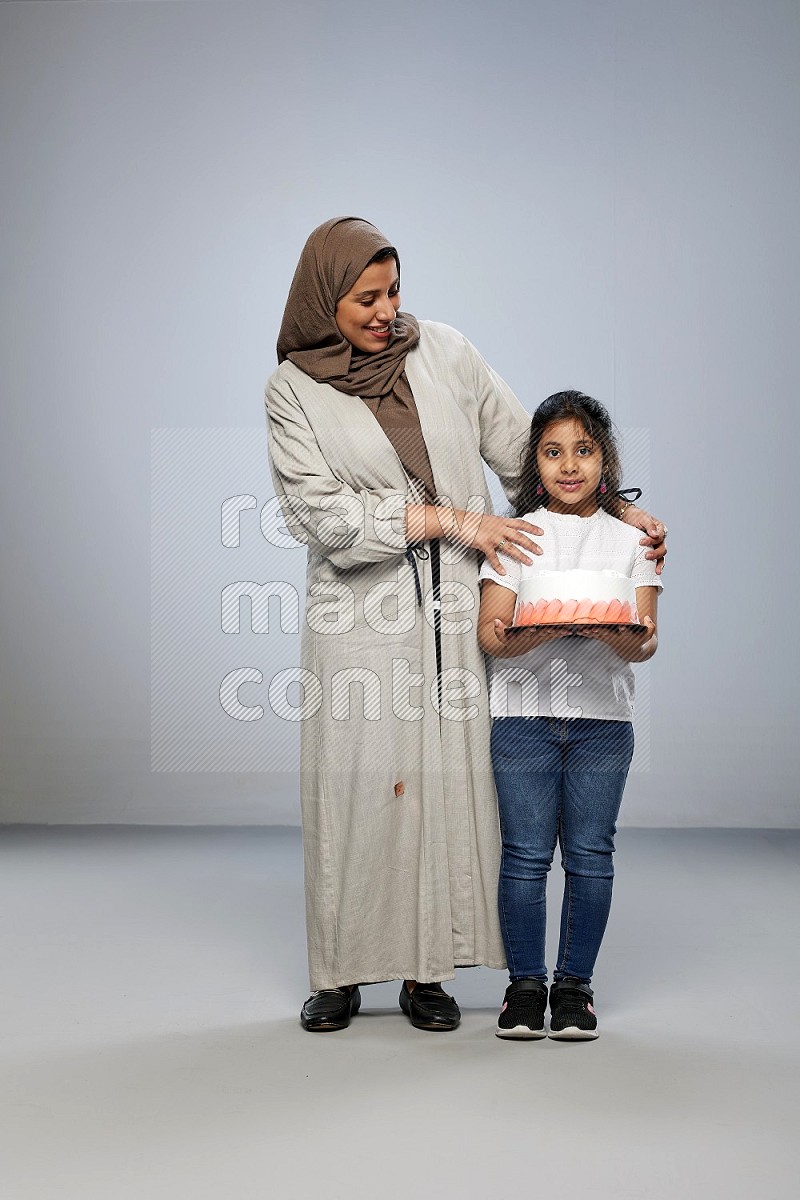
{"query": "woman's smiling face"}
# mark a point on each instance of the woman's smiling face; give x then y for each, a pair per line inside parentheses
(570, 465)
(364, 315)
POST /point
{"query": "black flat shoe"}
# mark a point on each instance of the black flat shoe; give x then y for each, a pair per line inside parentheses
(428, 1007)
(330, 1009)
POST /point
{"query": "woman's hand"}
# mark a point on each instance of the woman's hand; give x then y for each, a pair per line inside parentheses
(478, 531)
(656, 534)
(629, 644)
(489, 534)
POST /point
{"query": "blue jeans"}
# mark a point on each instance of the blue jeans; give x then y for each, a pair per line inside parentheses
(557, 780)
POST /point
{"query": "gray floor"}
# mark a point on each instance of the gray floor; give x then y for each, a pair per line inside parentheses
(151, 1046)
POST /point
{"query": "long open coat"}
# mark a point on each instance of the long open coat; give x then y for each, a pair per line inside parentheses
(400, 825)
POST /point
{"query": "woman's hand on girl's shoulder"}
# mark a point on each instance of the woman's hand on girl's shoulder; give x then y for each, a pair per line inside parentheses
(655, 530)
(512, 535)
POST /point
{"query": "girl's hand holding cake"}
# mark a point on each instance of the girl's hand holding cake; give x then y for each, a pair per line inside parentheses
(630, 645)
(510, 645)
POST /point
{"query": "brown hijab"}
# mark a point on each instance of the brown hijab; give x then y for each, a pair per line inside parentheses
(332, 259)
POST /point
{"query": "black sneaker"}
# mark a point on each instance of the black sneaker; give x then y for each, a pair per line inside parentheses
(522, 1014)
(572, 1017)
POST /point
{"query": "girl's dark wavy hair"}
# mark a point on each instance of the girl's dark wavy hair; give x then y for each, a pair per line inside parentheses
(594, 418)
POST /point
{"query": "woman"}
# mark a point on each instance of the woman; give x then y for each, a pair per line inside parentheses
(379, 427)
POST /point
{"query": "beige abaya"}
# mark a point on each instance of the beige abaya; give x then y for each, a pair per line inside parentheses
(400, 826)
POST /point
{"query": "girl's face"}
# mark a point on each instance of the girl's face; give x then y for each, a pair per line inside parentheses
(364, 316)
(570, 465)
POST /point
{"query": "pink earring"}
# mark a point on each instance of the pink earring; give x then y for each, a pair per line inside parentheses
(603, 488)
(539, 490)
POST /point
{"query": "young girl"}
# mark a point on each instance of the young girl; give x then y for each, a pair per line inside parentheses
(562, 738)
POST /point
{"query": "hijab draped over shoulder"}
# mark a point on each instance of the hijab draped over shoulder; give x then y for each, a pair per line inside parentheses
(332, 259)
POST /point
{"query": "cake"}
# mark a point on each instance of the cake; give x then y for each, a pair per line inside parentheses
(576, 598)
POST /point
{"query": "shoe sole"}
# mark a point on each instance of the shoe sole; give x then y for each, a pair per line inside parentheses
(572, 1034)
(433, 1026)
(521, 1033)
(328, 1027)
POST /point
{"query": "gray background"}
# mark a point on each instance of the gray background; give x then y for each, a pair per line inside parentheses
(601, 195)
